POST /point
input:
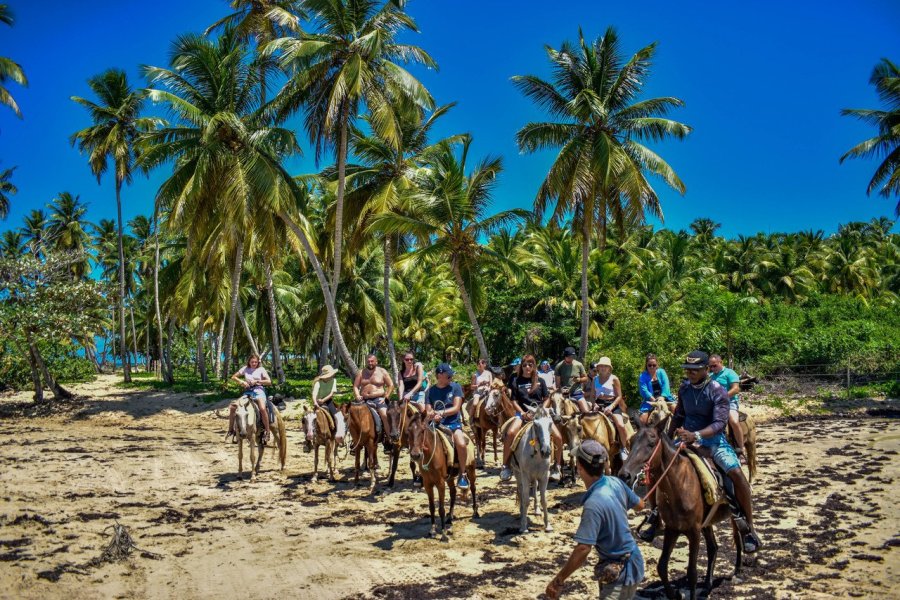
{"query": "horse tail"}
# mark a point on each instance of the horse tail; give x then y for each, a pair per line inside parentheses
(750, 447)
(282, 437)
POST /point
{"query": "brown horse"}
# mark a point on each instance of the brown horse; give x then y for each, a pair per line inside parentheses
(426, 449)
(398, 414)
(492, 413)
(679, 496)
(362, 431)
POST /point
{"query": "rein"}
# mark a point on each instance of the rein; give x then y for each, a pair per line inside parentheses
(661, 477)
(433, 449)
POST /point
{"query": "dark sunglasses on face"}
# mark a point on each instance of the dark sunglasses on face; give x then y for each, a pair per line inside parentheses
(408, 360)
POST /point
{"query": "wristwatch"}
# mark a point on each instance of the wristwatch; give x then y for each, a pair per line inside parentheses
(698, 436)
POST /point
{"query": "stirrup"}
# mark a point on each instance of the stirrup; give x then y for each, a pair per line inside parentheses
(740, 521)
(647, 534)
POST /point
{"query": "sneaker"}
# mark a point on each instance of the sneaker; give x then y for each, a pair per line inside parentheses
(505, 474)
(555, 475)
(649, 532)
(463, 484)
(751, 542)
(417, 481)
(623, 453)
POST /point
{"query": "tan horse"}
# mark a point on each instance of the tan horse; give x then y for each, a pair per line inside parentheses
(599, 427)
(250, 430)
(318, 426)
(570, 426)
(491, 413)
(362, 431)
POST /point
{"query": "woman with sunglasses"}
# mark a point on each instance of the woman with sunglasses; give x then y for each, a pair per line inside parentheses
(411, 378)
(653, 385)
(528, 392)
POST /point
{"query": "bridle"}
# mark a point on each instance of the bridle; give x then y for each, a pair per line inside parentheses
(646, 469)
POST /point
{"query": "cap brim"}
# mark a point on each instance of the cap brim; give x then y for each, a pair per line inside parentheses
(692, 367)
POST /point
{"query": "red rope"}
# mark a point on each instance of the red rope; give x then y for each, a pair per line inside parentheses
(647, 467)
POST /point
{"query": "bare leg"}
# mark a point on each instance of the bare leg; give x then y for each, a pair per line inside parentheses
(511, 432)
(558, 443)
(264, 414)
(583, 406)
(623, 434)
(735, 424)
(462, 451)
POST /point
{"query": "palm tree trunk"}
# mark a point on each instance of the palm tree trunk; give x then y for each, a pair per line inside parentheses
(585, 307)
(35, 377)
(467, 301)
(326, 292)
(170, 333)
(147, 346)
(201, 353)
(254, 347)
(123, 348)
(388, 320)
(218, 346)
(232, 313)
(273, 319)
(134, 342)
(166, 374)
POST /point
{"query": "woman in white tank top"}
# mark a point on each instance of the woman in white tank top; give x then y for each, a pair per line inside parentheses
(608, 396)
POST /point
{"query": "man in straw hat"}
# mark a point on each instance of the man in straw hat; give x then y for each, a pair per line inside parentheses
(604, 526)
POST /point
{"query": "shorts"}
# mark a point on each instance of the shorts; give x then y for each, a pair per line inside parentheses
(376, 403)
(733, 403)
(452, 426)
(577, 395)
(257, 394)
(617, 591)
(722, 453)
(418, 398)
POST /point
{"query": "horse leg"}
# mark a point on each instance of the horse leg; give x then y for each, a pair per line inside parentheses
(315, 476)
(547, 526)
(693, 553)
(472, 491)
(662, 568)
(356, 478)
(429, 489)
(496, 433)
(712, 548)
(524, 499)
(452, 505)
(395, 457)
(373, 463)
(441, 490)
(738, 547)
(533, 490)
(241, 458)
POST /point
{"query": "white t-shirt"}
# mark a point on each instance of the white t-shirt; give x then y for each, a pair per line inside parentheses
(549, 378)
(253, 376)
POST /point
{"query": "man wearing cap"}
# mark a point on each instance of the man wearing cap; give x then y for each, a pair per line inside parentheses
(374, 384)
(571, 374)
(443, 405)
(700, 418)
(604, 525)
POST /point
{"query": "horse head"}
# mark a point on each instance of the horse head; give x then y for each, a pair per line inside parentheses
(245, 417)
(642, 446)
(660, 412)
(309, 423)
(394, 419)
(557, 401)
(415, 432)
(541, 429)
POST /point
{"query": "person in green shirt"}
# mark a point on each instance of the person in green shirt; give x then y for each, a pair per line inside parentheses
(730, 380)
(571, 374)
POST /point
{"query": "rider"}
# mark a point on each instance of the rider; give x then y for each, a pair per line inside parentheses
(653, 385)
(323, 391)
(700, 419)
(571, 374)
(254, 378)
(528, 392)
(730, 380)
(604, 525)
(411, 379)
(547, 375)
(374, 384)
(481, 386)
(608, 396)
(443, 403)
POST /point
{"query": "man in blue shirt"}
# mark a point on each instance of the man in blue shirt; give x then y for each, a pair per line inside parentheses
(604, 526)
(730, 380)
(443, 403)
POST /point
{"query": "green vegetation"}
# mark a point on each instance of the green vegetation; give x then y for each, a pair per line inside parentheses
(394, 243)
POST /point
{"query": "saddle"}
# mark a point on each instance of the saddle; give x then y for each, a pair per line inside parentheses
(710, 476)
(592, 422)
(482, 403)
(270, 408)
(375, 417)
(327, 418)
(450, 448)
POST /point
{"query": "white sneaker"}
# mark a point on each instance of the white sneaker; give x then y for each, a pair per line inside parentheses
(505, 474)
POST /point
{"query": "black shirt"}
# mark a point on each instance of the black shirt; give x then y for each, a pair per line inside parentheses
(522, 392)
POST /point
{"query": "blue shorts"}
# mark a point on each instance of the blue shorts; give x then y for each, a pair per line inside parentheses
(418, 398)
(453, 426)
(723, 454)
(733, 403)
(257, 394)
(576, 396)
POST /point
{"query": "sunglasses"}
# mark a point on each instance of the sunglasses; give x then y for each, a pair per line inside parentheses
(408, 359)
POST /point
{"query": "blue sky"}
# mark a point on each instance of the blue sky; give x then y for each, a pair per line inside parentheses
(763, 85)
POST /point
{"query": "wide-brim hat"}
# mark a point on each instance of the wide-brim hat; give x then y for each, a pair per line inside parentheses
(696, 360)
(603, 362)
(327, 372)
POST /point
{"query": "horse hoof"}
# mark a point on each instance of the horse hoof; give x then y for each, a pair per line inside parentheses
(548, 528)
(444, 537)
(314, 479)
(523, 530)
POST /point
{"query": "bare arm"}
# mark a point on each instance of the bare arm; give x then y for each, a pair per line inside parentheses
(357, 384)
(389, 389)
(236, 377)
(735, 389)
(576, 559)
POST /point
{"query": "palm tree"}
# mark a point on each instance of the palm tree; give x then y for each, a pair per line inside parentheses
(449, 217)
(602, 165)
(886, 79)
(12, 245)
(34, 228)
(9, 69)
(7, 189)
(352, 59)
(116, 126)
(67, 231)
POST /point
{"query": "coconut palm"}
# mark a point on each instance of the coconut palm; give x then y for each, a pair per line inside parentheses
(886, 79)
(602, 165)
(7, 189)
(352, 59)
(67, 231)
(9, 69)
(112, 136)
(12, 245)
(34, 229)
(449, 217)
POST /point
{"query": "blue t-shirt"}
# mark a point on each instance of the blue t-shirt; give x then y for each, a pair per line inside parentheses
(725, 378)
(604, 525)
(441, 398)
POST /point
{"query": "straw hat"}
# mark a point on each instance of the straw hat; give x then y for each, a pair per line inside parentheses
(603, 362)
(327, 372)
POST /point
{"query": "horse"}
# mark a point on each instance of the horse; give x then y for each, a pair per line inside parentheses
(362, 431)
(531, 466)
(398, 417)
(249, 429)
(319, 432)
(679, 497)
(598, 427)
(426, 449)
(570, 427)
(491, 414)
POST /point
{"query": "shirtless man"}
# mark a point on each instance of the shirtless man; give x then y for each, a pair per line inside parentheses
(374, 385)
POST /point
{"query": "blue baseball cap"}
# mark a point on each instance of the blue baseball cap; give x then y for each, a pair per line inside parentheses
(444, 368)
(517, 362)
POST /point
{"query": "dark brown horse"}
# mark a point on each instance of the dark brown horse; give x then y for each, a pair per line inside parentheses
(362, 431)
(426, 449)
(489, 421)
(679, 496)
(398, 414)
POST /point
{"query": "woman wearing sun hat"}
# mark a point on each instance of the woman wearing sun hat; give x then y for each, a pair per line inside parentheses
(608, 396)
(323, 391)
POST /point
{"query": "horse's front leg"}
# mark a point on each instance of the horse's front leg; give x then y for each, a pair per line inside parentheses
(738, 548)
(315, 476)
(449, 524)
(429, 489)
(524, 501)
(241, 458)
(373, 465)
(252, 443)
(693, 552)
(662, 568)
(356, 477)
(441, 489)
(547, 526)
(395, 458)
(533, 490)
(330, 449)
(712, 548)
(261, 449)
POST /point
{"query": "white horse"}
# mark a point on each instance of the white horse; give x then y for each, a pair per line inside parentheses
(248, 429)
(531, 466)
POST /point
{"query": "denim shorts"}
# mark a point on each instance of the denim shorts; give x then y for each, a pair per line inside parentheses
(723, 454)
(376, 403)
(733, 403)
(453, 426)
(418, 398)
(257, 394)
